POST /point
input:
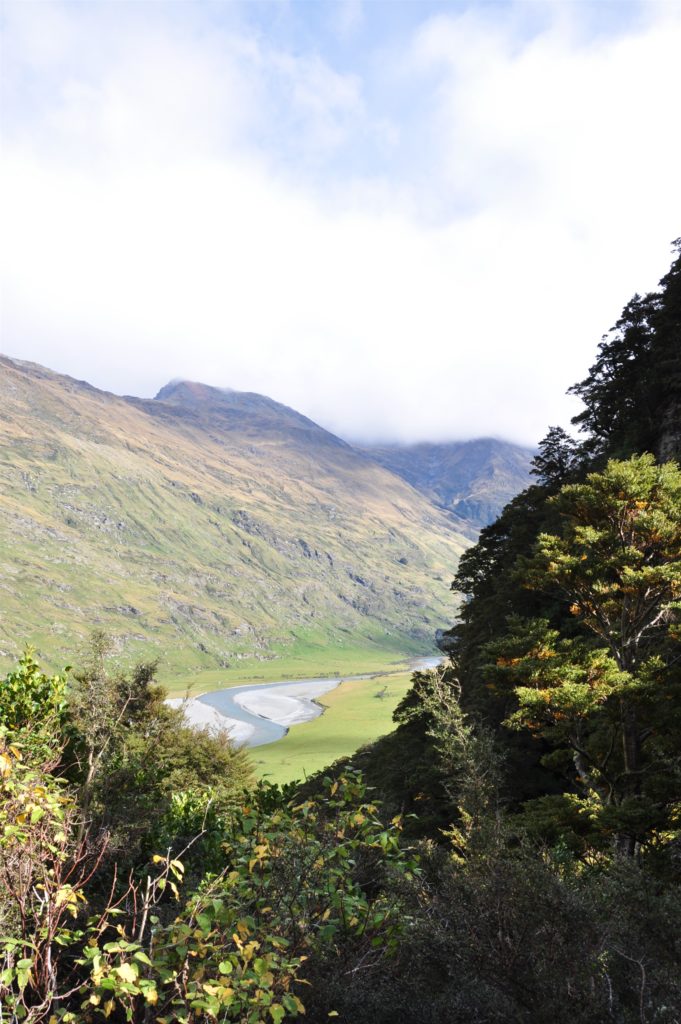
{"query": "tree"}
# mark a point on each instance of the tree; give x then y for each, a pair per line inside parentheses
(131, 753)
(558, 457)
(631, 394)
(608, 690)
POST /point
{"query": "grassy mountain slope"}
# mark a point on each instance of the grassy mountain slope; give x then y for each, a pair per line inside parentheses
(214, 529)
(471, 479)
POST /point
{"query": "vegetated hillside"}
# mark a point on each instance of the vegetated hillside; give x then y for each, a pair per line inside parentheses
(471, 479)
(206, 527)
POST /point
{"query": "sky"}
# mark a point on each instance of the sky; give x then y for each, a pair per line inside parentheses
(408, 220)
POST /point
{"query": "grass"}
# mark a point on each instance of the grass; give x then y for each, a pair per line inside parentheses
(301, 663)
(354, 715)
(233, 550)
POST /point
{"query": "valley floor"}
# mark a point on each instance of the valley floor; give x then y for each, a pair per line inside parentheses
(315, 662)
(356, 712)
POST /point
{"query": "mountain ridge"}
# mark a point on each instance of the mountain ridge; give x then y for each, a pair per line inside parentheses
(231, 406)
(222, 536)
(209, 527)
(472, 479)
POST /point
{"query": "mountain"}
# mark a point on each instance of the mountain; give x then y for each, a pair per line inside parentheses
(471, 479)
(239, 413)
(208, 527)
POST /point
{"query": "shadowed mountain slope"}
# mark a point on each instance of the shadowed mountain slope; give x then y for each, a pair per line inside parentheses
(471, 479)
(206, 527)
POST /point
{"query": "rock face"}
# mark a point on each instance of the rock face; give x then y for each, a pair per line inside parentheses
(472, 480)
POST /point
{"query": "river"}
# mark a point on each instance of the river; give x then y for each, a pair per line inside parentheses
(256, 715)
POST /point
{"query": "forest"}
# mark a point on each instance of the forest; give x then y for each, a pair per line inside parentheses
(511, 852)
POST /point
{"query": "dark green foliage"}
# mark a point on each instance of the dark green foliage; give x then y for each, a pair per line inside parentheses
(287, 887)
(558, 459)
(500, 930)
(511, 936)
(632, 391)
(404, 768)
(132, 754)
(488, 577)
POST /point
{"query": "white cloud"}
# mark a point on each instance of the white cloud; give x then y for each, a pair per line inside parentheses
(185, 202)
(347, 16)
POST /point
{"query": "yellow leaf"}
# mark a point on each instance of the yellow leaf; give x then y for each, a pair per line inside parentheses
(127, 972)
(64, 895)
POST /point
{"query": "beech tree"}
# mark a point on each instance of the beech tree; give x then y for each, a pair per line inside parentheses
(607, 688)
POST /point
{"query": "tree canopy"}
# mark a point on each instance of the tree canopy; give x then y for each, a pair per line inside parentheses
(609, 691)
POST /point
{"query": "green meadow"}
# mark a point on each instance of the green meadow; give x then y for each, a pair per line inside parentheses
(302, 660)
(356, 713)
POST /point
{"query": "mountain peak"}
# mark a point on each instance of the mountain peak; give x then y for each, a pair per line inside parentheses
(218, 527)
(243, 410)
(193, 393)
